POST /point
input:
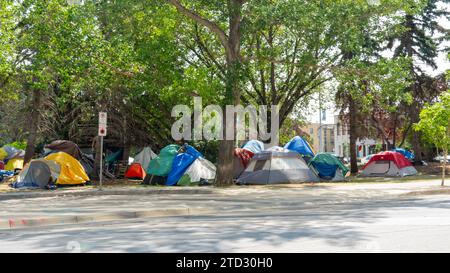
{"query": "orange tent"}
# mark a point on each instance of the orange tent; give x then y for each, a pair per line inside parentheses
(135, 171)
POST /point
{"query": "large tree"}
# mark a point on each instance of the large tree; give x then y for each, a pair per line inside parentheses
(419, 39)
(229, 36)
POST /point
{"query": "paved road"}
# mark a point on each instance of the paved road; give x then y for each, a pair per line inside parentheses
(367, 218)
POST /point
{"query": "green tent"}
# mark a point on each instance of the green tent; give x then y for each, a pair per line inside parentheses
(162, 164)
(328, 166)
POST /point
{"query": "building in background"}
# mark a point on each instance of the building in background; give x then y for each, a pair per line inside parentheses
(314, 130)
(364, 147)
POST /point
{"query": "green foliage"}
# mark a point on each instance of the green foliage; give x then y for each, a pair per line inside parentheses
(22, 145)
(435, 123)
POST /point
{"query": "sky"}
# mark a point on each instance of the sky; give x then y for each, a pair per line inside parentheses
(443, 64)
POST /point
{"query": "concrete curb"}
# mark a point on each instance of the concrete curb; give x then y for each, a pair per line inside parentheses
(11, 224)
(443, 190)
(95, 192)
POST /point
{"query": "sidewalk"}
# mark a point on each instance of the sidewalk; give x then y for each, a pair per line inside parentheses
(27, 209)
(92, 191)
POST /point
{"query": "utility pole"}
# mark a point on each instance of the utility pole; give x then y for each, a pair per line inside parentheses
(320, 122)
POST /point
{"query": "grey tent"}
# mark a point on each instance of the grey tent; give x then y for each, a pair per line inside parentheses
(277, 166)
(37, 174)
(144, 157)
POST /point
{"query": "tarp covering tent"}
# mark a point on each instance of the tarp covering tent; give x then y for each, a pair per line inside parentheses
(388, 164)
(328, 166)
(14, 164)
(13, 152)
(405, 153)
(162, 164)
(36, 174)
(254, 146)
(241, 159)
(72, 172)
(273, 167)
(66, 146)
(301, 146)
(135, 171)
(181, 163)
(114, 157)
(144, 157)
(201, 169)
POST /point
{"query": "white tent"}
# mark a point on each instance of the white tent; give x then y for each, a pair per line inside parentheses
(200, 169)
(144, 157)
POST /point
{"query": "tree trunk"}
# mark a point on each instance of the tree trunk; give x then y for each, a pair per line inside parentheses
(232, 95)
(98, 155)
(353, 136)
(33, 125)
(444, 166)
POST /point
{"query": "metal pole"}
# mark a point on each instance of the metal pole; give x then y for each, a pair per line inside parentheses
(320, 122)
(101, 163)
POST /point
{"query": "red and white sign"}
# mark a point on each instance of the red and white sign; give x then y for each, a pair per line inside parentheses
(102, 123)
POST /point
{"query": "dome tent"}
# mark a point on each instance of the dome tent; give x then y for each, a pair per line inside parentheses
(388, 164)
(201, 169)
(135, 171)
(72, 172)
(329, 167)
(36, 174)
(144, 157)
(276, 166)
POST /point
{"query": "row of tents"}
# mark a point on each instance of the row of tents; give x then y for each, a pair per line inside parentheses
(64, 164)
(184, 165)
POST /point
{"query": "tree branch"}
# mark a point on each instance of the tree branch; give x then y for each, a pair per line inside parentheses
(202, 21)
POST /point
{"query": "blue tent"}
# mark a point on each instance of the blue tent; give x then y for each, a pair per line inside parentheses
(254, 146)
(301, 146)
(181, 163)
(405, 153)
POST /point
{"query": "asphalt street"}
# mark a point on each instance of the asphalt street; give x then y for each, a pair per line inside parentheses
(366, 218)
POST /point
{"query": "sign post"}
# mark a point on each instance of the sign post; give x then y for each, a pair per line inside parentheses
(102, 129)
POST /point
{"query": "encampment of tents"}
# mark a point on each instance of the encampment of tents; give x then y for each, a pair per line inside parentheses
(144, 157)
(135, 171)
(388, 164)
(329, 167)
(301, 146)
(277, 167)
(72, 172)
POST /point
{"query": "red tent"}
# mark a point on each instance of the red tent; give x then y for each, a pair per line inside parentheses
(399, 159)
(135, 171)
(2, 165)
